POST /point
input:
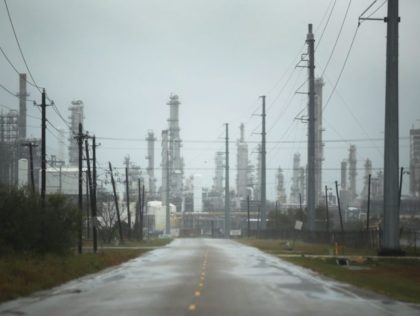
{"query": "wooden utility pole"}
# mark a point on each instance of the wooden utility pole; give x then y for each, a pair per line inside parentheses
(339, 207)
(326, 209)
(368, 204)
(92, 201)
(127, 191)
(227, 193)
(116, 203)
(400, 188)
(88, 211)
(30, 145)
(79, 138)
(143, 201)
(43, 106)
(249, 219)
(138, 210)
(94, 179)
(300, 204)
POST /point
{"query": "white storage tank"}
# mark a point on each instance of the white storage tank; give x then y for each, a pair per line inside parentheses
(23, 172)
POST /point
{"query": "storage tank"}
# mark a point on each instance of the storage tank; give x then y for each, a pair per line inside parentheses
(23, 172)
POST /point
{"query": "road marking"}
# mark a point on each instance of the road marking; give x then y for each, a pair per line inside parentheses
(203, 274)
(202, 278)
(201, 284)
(197, 293)
(192, 307)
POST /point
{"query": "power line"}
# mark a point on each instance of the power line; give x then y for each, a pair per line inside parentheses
(14, 67)
(336, 40)
(13, 94)
(11, 109)
(270, 168)
(342, 68)
(326, 24)
(377, 9)
(56, 110)
(7, 90)
(256, 142)
(356, 119)
(8, 60)
(20, 48)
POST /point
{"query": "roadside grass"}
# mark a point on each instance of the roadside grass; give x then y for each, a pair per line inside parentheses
(23, 274)
(283, 247)
(397, 278)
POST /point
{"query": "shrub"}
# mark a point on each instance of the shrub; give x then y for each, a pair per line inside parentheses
(27, 226)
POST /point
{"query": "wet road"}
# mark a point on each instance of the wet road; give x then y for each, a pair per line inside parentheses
(205, 277)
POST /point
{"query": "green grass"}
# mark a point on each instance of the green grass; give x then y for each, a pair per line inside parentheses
(398, 279)
(394, 277)
(23, 274)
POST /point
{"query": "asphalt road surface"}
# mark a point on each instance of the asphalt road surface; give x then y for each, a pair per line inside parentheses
(206, 277)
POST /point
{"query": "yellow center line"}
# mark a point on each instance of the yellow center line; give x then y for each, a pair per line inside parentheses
(201, 284)
(192, 307)
(197, 293)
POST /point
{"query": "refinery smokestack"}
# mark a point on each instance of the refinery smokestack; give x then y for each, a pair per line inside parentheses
(76, 118)
(22, 106)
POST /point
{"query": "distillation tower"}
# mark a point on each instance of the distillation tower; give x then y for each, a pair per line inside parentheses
(151, 162)
(242, 166)
(281, 192)
(295, 188)
(352, 172)
(175, 161)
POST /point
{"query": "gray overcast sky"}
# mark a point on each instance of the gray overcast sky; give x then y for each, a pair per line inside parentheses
(123, 58)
